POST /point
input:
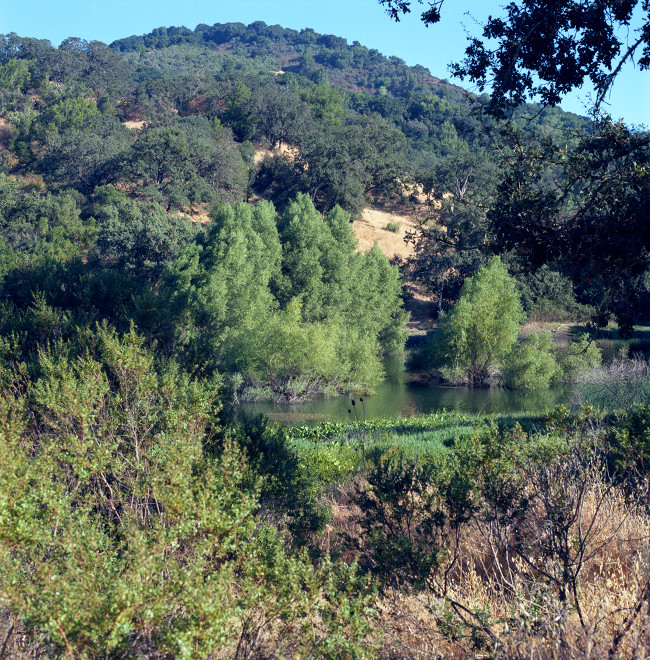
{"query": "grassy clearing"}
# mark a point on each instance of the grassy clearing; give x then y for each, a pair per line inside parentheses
(334, 453)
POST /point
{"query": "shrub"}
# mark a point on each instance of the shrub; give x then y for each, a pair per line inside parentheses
(297, 358)
(582, 355)
(290, 492)
(393, 227)
(531, 364)
(120, 535)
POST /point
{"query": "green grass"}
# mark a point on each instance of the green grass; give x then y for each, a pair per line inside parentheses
(333, 452)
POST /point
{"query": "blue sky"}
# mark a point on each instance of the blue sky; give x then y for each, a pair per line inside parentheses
(357, 20)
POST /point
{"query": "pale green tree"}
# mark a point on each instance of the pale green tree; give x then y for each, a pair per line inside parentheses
(482, 327)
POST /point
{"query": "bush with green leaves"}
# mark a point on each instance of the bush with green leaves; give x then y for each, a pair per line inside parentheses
(410, 510)
(515, 514)
(482, 327)
(531, 364)
(287, 491)
(123, 532)
(285, 304)
(581, 355)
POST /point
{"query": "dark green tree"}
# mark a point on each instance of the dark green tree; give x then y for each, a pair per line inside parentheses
(590, 223)
(83, 157)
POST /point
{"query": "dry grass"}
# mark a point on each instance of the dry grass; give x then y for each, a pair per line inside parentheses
(284, 150)
(560, 331)
(198, 213)
(371, 229)
(134, 125)
(17, 642)
(521, 613)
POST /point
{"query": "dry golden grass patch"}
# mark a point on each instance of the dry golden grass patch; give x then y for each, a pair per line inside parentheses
(285, 150)
(484, 591)
(199, 213)
(134, 125)
(371, 228)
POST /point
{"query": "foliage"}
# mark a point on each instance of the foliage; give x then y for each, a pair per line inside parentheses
(454, 236)
(540, 507)
(602, 192)
(286, 489)
(403, 520)
(132, 239)
(299, 358)
(120, 535)
(618, 385)
(547, 295)
(628, 449)
(290, 306)
(556, 203)
(482, 327)
(545, 51)
(531, 364)
(581, 355)
(82, 156)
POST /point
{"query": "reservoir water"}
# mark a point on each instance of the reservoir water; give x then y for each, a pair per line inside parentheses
(399, 397)
(396, 396)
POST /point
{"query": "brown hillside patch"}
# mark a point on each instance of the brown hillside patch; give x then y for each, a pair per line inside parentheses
(198, 213)
(134, 125)
(371, 228)
(284, 150)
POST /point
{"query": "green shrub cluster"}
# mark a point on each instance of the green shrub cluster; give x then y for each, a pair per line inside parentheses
(285, 305)
(284, 302)
(130, 526)
(477, 341)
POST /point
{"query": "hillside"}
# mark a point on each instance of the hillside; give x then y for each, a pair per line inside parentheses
(208, 185)
(106, 151)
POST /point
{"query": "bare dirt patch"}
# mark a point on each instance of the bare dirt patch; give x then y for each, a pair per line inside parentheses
(371, 228)
(198, 213)
(134, 125)
(284, 150)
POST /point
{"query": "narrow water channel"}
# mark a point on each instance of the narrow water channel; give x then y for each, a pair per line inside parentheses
(396, 396)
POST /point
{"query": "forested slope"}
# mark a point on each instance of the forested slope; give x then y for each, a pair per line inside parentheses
(137, 519)
(94, 215)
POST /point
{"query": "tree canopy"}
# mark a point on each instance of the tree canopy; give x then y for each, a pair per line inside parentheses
(547, 48)
(580, 209)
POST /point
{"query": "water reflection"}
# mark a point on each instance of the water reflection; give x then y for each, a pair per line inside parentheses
(399, 397)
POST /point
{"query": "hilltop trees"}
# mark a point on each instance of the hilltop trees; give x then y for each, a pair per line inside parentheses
(581, 210)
